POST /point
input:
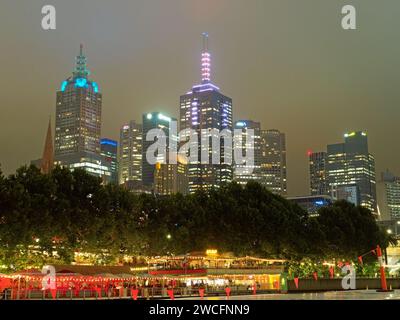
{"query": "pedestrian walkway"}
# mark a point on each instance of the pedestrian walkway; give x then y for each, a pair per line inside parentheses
(337, 295)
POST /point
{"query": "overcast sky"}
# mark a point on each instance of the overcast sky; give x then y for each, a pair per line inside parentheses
(285, 63)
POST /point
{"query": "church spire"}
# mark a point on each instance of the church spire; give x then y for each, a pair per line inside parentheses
(47, 163)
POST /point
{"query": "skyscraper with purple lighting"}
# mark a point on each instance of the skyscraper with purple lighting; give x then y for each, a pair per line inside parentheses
(205, 108)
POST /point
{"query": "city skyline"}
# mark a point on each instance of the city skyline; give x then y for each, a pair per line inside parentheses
(345, 91)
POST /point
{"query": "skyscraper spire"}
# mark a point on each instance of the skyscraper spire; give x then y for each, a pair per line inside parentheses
(81, 70)
(205, 61)
(48, 152)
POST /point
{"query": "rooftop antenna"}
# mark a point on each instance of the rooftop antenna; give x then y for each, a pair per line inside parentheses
(205, 61)
(81, 70)
(205, 41)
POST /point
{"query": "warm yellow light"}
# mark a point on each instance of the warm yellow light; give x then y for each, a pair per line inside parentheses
(211, 252)
(140, 269)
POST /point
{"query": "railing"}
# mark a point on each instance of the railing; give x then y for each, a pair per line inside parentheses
(125, 293)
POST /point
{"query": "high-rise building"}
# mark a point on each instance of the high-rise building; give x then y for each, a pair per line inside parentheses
(130, 153)
(349, 192)
(78, 122)
(171, 178)
(350, 163)
(157, 121)
(312, 204)
(251, 141)
(273, 161)
(206, 109)
(388, 188)
(109, 153)
(318, 175)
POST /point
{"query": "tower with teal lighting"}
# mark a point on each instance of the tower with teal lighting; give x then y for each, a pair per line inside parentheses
(78, 122)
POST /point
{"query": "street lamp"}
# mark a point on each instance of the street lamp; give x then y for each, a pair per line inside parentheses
(389, 231)
(169, 237)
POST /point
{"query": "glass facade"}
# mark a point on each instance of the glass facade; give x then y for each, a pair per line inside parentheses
(273, 161)
(318, 178)
(109, 153)
(206, 109)
(155, 120)
(170, 179)
(78, 121)
(130, 153)
(244, 173)
(350, 163)
(389, 196)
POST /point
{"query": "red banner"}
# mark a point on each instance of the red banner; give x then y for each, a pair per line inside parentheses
(178, 272)
(332, 272)
(201, 292)
(296, 282)
(171, 294)
(135, 293)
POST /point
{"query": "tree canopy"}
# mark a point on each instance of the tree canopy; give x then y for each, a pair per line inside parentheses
(46, 218)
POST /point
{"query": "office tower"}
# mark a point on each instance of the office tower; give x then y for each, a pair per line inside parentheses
(273, 161)
(171, 178)
(109, 153)
(78, 122)
(388, 188)
(46, 163)
(318, 179)
(157, 121)
(243, 173)
(350, 163)
(206, 109)
(130, 153)
(349, 192)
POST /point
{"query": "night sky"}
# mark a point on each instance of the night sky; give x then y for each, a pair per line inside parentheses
(286, 63)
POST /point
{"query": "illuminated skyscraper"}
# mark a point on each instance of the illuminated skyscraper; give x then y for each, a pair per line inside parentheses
(130, 153)
(206, 109)
(171, 179)
(78, 122)
(350, 163)
(243, 173)
(318, 176)
(109, 154)
(273, 161)
(389, 196)
(159, 121)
